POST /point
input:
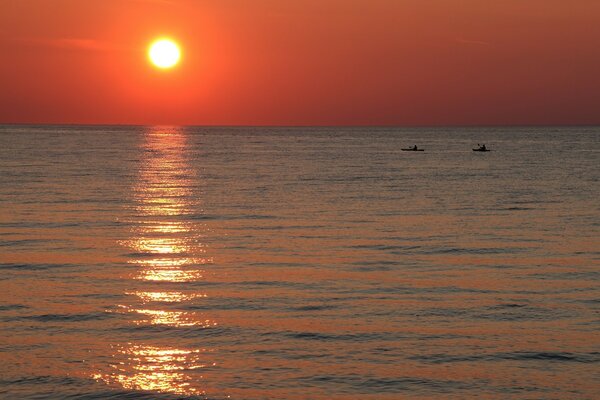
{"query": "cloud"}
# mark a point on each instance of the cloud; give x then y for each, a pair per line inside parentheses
(69, 43)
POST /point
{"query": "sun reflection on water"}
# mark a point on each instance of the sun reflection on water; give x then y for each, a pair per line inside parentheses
(167, 227)
(158, 369)
(173, 318)
(159, 246)
(169, 275)
(166, 249)
(168, 317)
(166, 297)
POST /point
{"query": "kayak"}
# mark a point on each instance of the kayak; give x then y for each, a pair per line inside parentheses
(481, 150)
(412, 149)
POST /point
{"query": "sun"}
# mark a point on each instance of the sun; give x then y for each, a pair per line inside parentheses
(164, 53)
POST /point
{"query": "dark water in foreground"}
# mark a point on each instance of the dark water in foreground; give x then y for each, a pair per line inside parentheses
(299, 263)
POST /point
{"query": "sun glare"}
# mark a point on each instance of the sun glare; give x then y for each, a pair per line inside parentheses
(164, 53)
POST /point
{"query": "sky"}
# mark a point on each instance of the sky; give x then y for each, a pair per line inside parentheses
(302, 62)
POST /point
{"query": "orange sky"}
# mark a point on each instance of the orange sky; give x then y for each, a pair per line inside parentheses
(302, 62)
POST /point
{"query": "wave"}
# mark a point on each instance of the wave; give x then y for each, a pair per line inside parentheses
(587, 358)
(74, 388)
(34, 267)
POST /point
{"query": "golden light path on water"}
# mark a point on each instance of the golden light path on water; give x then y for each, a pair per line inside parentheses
(165, 297)
(157, 369)
(166, 251)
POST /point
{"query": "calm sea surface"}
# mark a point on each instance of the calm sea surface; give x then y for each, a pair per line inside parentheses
(305, 263)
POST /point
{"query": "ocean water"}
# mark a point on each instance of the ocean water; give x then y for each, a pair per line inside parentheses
(299, 263)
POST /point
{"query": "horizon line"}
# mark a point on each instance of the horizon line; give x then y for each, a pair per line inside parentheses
(302, 125)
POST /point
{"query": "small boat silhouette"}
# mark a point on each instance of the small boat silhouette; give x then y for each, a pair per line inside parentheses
(481, 148)
(414, 148)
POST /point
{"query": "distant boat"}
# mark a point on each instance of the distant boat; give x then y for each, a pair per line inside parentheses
(481, 148)
(413, 149)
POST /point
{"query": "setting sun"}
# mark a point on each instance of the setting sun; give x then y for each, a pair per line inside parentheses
(164, 53)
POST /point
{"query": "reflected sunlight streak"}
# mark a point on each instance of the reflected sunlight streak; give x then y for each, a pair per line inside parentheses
(166, 251)
(158, 369)
(169, 275)
(165, 297)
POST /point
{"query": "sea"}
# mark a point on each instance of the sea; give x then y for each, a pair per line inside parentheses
(299, 263)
